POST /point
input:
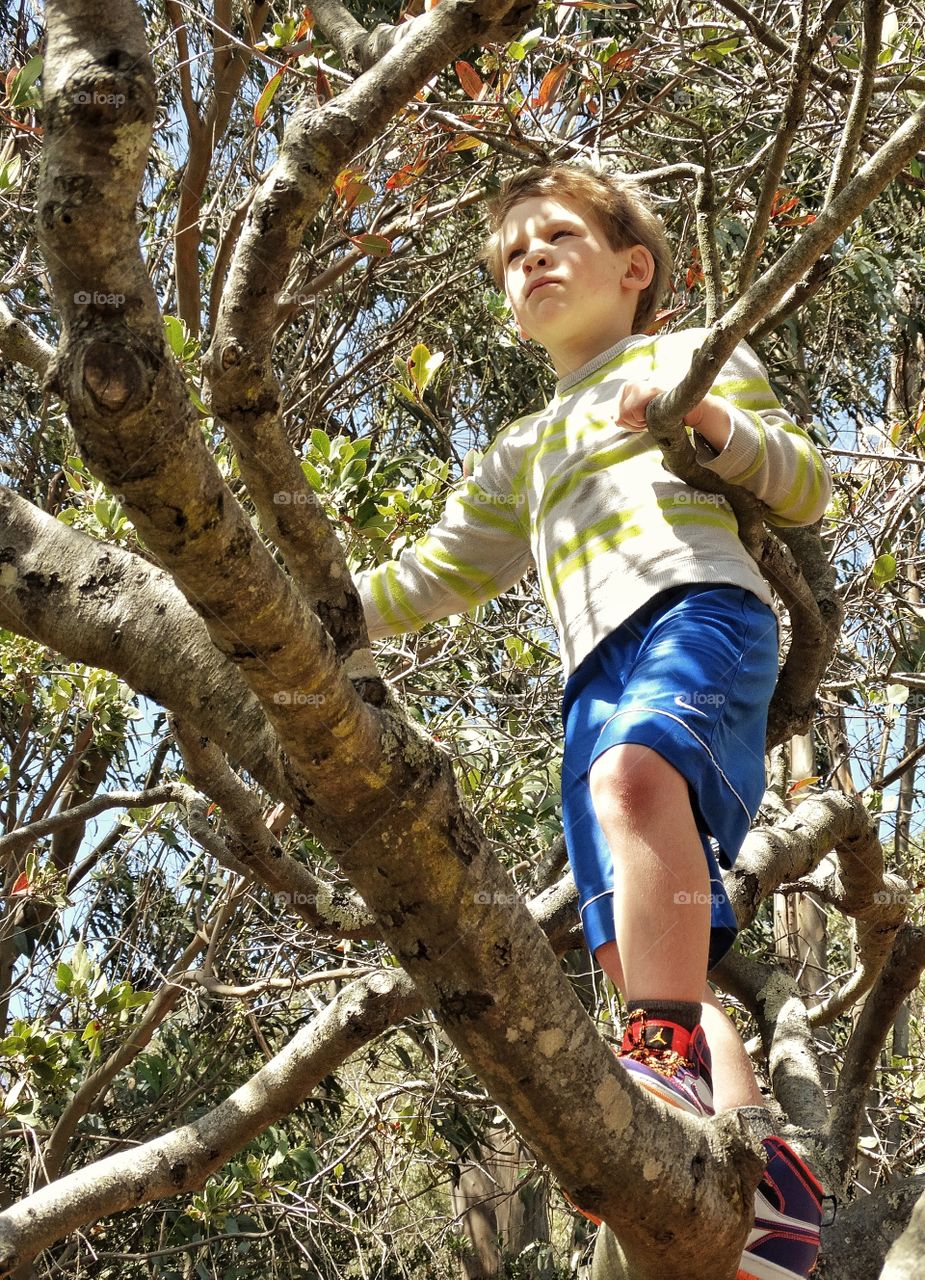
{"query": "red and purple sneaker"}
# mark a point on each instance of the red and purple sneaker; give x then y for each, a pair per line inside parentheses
(670, 1062)
(784, 1242)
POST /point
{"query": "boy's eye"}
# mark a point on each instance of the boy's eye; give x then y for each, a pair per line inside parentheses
(515, 253)
(563, 232)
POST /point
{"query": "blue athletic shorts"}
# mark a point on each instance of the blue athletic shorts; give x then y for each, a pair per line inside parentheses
(690, 675)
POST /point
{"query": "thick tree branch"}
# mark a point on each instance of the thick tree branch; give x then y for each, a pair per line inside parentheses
(776, 1003)
(361, 49)
(108, 608)
(862, 889)
(904, 1261)
(855, 1242)
(244, 389)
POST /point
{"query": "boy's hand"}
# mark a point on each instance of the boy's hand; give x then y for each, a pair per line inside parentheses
(709, 419)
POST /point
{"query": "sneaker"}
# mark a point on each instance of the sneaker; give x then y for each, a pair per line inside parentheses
(670, 1062)
(784, 1242)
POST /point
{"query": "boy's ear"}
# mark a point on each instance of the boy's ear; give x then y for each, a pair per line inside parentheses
(640, 268)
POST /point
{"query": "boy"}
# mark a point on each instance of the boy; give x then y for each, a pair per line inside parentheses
(665, 630)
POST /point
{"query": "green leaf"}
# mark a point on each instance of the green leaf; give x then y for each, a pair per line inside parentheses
(322, 442)
(24, 80)
(80, 964)
(9, 173)
(422, 366)
(176, 335)
(375, 246)
(884, 569)
(313, 476)
(64, 976)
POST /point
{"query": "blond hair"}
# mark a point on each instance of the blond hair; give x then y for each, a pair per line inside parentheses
(615, 201)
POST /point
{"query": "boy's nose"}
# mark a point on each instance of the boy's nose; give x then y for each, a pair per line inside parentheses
(535, 258)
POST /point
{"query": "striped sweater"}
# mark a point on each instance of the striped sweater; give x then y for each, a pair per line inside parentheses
(589, 503)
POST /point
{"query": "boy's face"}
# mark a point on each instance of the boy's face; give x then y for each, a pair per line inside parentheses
(568, 288)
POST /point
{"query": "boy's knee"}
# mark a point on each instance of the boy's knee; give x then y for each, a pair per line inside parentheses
(630, 779)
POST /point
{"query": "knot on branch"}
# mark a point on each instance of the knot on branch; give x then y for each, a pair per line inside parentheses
(112, 376)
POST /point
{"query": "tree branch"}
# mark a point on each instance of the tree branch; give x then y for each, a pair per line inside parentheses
(20, 345)
(899, 976)
(16, 841)
(804, 53)
(108, 608)
(183, 1159)
(257, 853)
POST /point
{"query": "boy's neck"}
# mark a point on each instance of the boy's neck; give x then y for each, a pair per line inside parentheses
(569, 358)
(580, 372)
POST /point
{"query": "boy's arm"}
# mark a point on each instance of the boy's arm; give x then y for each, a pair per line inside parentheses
(479, 548)
(765, 451)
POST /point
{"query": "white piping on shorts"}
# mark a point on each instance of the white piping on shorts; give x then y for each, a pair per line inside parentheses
(608, 893)
(659, 712)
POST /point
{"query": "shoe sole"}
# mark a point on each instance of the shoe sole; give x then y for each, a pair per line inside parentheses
(668, 1095)
(762, 1269)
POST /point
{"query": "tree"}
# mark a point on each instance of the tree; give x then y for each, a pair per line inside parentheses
(221, 432)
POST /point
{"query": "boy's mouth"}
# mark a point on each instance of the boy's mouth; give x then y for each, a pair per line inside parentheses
(538, 284)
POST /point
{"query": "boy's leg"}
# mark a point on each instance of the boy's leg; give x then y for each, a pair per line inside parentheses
(662, 882)
(734, 1083)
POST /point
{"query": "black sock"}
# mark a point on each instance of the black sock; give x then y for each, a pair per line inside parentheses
(685, 1014)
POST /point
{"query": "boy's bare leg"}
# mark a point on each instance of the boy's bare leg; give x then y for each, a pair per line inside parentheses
(662, 903)
(734, 1083)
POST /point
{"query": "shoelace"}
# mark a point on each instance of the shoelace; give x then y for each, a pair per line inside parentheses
(665, 1061)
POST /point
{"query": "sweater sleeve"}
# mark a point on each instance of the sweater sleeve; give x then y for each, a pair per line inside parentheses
(479, 548)
(767, 453)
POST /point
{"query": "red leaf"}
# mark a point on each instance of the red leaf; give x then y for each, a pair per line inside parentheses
(307, 23)
(21, 884)
(550, 86)
(622, 60)
(802, 221)
(781, 204)
(404, 176)
(662, 317)
(269, 92)
(322, 86)
(470, 79)
(803, 782)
